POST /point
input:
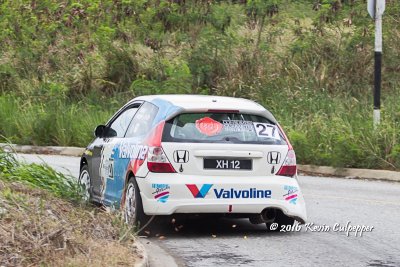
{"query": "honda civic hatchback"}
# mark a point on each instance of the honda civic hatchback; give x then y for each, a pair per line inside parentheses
(191, 154)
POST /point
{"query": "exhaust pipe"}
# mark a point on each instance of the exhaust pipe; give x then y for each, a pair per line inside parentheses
(266, 216)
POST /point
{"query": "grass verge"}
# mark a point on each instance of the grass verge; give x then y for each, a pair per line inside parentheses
(42, 224)
(39, 176)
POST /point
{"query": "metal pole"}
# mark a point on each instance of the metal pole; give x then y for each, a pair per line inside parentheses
(378, 63)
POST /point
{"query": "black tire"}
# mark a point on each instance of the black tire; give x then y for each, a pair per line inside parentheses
(281, 219)
(85, 181)
(133, 206)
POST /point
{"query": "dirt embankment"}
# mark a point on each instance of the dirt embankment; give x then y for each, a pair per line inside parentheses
(37, 228)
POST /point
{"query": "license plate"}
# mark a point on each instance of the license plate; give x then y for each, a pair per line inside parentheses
(228, 164)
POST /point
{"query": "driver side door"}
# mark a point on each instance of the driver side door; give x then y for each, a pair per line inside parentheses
(103, 149)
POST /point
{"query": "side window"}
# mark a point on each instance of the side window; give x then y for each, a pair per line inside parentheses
(143, 120)
(121, 123)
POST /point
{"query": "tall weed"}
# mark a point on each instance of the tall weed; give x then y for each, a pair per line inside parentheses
(39, 176)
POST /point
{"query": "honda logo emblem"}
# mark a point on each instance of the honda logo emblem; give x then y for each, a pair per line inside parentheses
(181, 156)
(274, 157)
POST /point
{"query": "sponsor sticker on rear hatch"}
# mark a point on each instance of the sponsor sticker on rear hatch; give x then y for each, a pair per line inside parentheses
(234, 128)
(208, 126)
(238, 126)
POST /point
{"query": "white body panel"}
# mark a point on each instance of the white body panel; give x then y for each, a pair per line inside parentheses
(198, 151)
(224, 191)
(181, 199)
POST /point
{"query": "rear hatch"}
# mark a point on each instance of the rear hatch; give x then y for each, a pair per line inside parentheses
(225, 144)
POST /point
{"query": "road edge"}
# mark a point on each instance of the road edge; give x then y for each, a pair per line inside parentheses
(50, 150)
(144, 262)
(325, 170)
(160, 256)
(353, 173)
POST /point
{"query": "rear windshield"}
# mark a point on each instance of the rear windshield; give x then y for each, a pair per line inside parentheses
(222, 128)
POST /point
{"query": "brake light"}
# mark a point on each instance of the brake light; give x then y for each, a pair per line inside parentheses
(157, 161)
(223, 111)
(288, 167)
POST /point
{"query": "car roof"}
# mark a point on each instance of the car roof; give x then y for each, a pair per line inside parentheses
(203, 103)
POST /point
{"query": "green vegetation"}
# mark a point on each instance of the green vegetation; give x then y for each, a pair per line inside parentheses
(39, 176)
(67, 66)
(43, 221)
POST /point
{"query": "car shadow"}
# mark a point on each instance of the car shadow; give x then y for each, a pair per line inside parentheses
(205, 226)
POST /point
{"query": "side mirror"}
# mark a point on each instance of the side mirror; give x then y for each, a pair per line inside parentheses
(99, 131)
(103, 131)
(109, 132)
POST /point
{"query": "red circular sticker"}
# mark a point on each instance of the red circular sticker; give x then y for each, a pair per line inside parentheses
(208, 126)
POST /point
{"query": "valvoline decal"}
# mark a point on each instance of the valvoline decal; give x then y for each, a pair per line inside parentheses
(132, 151)
(246, 193)
(208, 126)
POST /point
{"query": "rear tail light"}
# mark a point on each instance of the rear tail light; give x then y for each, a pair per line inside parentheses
(157, 161)
(288, 167)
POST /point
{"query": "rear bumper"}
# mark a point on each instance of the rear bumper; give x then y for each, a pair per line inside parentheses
(166, 194)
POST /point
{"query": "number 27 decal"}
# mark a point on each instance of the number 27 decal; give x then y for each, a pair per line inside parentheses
(266, 130)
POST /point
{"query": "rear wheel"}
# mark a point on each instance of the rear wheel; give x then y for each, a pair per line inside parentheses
(85, 182)
(133, 207)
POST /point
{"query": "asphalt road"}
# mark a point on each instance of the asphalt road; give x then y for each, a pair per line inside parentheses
(330, 201)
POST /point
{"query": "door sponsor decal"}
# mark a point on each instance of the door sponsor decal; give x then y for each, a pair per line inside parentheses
(161, 192)
(247, 193)
(181, 156)
(106, 168)
(208, 126)
(274, 157)
(266, 130)
(115, 160)
(290, 194)
(132, 151)
(199, 193)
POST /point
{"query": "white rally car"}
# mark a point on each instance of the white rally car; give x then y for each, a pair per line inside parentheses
(188, 154)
